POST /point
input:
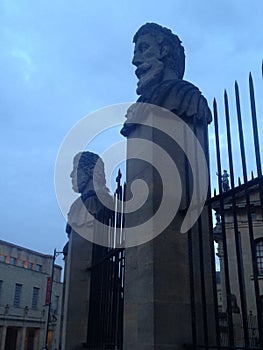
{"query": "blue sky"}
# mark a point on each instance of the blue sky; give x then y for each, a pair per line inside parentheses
(61, 60)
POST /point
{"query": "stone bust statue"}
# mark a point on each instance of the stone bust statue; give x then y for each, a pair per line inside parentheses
(87, 176)
(160, 61)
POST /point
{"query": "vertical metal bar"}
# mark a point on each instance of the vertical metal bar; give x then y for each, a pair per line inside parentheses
(252, 242)
(240, 131)
(222, 212)
(118, 214)
(254, 266)
(201, 249)
(211, 236)
(50, 296)
(229, 146)
(124, 215)
(256, 137)
(122, 269)
(254, 124)
(104, 302)
(242, 290)
(203, 287)
(118, 262)
(115, 298)
(190, 255)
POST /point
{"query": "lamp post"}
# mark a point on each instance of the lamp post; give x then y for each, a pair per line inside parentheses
(49, 295)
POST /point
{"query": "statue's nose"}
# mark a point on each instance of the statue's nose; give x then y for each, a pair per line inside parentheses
(136, 59)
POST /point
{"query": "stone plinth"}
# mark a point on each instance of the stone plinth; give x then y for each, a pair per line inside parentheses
(77, 292)
(157, 311)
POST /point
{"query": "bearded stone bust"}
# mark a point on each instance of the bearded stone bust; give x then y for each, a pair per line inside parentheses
(160, 61)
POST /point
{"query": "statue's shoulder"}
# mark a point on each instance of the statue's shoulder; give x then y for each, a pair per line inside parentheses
(183, 98)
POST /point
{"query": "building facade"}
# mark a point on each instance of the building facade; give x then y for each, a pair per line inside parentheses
(245, 250)
(240, 259)
(25, 281)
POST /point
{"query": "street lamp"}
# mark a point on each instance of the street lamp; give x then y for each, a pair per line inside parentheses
(49, 295)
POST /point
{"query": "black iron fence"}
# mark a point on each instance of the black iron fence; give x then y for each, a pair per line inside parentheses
(239, 228)
(105, 323)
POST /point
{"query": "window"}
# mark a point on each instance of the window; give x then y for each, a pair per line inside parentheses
(259, 255)
(30, 266)
(17, 296)
(56, 303)
(35, 297)
(38, 268)
(20, 263)
(12, 260)
(2, 258)
(253, 215)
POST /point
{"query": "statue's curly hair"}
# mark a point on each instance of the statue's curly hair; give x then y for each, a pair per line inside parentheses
(87, 162)
(175, 58)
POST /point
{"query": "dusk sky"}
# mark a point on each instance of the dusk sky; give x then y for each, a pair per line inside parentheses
(61, 60)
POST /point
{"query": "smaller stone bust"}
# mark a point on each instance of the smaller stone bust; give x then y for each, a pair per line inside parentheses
(88, 179)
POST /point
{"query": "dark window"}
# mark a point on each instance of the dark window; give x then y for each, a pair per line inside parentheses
(35, 297)
(17, 296)
(259, 256)
(253, 215)
(2, 258)
(20, 263)
(12, 260)
(38, 268)
(30, 266)
(56, 303)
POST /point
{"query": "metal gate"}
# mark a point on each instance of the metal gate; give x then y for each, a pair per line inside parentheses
(105, 323)
(238, 230)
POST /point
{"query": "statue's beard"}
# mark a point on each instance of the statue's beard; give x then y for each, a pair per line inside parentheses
(149, 74)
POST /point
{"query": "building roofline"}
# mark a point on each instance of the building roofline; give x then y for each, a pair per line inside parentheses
(9, 244)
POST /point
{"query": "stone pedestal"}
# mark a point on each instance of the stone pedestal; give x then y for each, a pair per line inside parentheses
(157, 306)
(23, 338)
(3, 338)
(77, 292)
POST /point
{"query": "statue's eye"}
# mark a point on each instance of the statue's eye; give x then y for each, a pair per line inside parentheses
(143, 47)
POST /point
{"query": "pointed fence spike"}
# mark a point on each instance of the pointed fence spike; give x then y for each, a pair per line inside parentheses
(252, 175)
(236, 88)
(255, 125)
(214, 103)
(239, 181)
(214, 192)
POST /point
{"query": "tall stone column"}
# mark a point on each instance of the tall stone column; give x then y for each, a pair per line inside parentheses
(37, 339)
(23, 338)
(77, 287)
(3, 337)
(157, 305)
